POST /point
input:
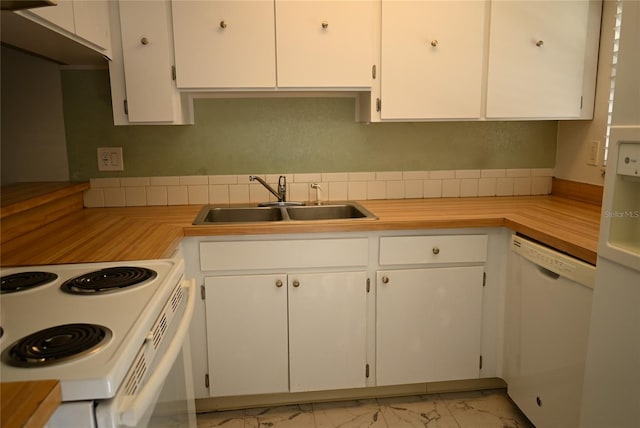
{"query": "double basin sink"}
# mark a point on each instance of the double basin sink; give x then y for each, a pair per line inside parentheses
(283, 213)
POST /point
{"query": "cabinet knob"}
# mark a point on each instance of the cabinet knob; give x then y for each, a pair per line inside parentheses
(223, 25)
(434, 43)
(436, 250)
(385, 279)
(144, 41)
(296, 283)
(279, 283)
(325, 24)
(539, 43)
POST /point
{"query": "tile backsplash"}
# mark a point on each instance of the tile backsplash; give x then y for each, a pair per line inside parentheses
(236, 189)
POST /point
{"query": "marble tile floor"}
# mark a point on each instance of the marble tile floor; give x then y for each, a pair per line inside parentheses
(475, 409)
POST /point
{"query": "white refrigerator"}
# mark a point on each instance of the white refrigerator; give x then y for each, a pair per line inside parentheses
(611, 393)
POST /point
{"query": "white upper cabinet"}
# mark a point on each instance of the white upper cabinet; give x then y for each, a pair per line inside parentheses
(432, 59)
(325, 43)
(233, 44)
(86, 19)
(61, 14)
(142, 89)
(224, 44)
(539, 55)
(92, 22)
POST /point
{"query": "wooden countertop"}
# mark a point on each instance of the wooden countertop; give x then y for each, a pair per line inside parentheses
(135, 233)
(29, 404)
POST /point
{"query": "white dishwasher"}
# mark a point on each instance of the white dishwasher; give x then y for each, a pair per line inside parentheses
(548, 308)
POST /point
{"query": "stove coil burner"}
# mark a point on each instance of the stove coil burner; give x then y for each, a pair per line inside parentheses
(108, 280)
(56, 344)
(25, 280)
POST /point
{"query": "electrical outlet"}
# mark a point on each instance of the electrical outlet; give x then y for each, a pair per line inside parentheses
(110, 159)
(594, 153)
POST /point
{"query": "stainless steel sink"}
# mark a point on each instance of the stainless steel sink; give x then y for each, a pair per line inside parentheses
(327, 212)
(331, 211)
(237, 215)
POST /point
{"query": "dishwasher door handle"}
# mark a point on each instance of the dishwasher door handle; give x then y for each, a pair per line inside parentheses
(548, 273)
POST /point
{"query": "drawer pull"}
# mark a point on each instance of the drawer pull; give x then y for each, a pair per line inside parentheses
(296, 283)
(385, 279)
(436, 250)
(279, 283)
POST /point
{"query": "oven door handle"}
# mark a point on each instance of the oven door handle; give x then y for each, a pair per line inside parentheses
(136, 409)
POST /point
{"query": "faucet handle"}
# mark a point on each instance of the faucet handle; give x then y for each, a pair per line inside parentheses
(282, 188)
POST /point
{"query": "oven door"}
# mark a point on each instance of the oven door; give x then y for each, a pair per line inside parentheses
(166, 397)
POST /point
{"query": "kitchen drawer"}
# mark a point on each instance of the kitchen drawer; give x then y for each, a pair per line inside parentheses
(409, 250)
(284, 254)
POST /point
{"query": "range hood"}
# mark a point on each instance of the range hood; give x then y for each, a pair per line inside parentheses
(25, 4)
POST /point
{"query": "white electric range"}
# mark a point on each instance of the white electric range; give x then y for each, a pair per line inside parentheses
(112, 333)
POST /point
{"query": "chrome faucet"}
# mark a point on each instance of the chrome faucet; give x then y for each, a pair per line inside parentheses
(281, 194)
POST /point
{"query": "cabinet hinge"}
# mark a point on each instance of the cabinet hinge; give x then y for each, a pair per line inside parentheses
(206, 380)
(368, 285)
(366, 370)
(480, 365)
(378, 104)
(203, 292)
(173, 72)
(581, 100)
(373, 71)
(484, 279)
(126, 107)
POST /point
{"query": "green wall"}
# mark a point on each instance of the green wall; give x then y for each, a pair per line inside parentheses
(292, 135)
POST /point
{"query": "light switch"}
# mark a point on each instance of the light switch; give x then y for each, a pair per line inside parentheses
(110, 159)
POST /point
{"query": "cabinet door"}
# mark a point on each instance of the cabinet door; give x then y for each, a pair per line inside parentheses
(247, 334)
(327, 331)
(432, 59)
(536, 58)
(92, 22)
(147, 60)
(61, 14)
(428, 324)
(224, 44)
(325, 43)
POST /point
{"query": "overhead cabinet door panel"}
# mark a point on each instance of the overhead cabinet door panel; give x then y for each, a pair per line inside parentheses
(325, 43)
(537, 58)
(146, 49)
(224, 44)
(432, 59)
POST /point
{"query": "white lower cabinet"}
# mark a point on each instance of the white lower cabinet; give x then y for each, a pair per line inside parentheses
(278, 332)
(301, 313)
(327, 331)
(428, 325)
(247, 334)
